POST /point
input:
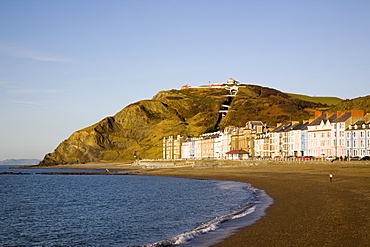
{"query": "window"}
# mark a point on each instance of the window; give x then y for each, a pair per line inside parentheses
(362, 133)
(362, 144)
(354, 134)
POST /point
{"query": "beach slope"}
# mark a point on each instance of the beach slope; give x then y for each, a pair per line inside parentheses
(308, 209)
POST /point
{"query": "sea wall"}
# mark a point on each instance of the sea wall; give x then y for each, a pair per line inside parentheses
(156, 163)
(149, 164)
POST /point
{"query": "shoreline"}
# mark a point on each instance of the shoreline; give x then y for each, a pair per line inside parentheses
(308, 209)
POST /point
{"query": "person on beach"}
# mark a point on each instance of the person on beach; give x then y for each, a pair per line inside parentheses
(330, 176)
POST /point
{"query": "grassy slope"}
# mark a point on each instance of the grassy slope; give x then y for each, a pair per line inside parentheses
(360, 103)
(323, 99)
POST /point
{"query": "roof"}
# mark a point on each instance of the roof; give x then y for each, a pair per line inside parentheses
(318, 120)
(300, 126)
(185, 86)
(237, 151)
(255, 122)
(359, 123)
(283, 127)
(343, 117)
(332, 118)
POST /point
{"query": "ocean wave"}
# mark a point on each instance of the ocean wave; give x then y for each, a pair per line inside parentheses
(246, 208)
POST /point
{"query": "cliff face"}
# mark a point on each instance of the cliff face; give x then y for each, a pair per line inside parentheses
(138, 129)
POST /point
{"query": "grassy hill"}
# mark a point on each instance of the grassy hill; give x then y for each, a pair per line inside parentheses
(320, 99)
(138, 129)
(360, 103)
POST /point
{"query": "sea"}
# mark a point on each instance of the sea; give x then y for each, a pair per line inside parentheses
(122, 210)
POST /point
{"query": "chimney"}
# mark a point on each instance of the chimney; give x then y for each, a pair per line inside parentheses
(318, 113)
(357, 113)
(367, 117)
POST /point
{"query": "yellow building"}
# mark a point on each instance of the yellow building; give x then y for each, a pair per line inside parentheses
(244, 137)
(172, 147)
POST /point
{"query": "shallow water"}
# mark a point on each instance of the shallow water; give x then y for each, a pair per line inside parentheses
(127, 210)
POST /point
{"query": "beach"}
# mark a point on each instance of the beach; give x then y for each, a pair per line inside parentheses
(308, 209)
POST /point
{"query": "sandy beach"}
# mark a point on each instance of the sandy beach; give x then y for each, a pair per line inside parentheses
(308, 209)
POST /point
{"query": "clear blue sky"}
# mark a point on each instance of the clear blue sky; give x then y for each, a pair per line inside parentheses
(65, 65)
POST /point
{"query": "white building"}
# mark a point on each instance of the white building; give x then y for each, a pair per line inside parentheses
(357, 139)
(326, 133)
(262, 145)
(279, 141)
(298, 140)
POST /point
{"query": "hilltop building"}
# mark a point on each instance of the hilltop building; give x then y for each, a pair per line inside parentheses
(230, 83)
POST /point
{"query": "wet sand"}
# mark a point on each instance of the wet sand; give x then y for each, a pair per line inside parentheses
(308, 209)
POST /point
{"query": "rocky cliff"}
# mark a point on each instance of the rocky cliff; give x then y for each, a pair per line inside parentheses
(138, 129)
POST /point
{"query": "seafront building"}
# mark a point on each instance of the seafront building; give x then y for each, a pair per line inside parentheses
(262, 145)
(341, 134)
(243, 138)
(172, 147)
(357, 139)
(326, 133)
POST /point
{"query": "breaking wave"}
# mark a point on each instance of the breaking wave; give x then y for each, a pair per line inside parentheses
(248, 207)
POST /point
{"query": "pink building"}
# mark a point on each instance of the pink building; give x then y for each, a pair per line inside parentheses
(326, 132)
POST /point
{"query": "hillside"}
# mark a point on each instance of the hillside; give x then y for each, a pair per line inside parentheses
(319, 99)
(361, 103)
(138, 129)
